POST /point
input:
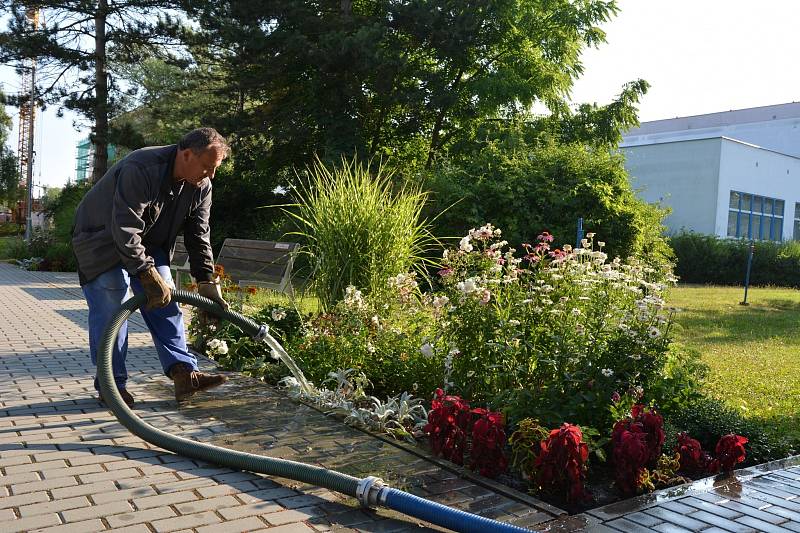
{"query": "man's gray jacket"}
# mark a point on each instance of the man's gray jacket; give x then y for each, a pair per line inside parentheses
(137, 207)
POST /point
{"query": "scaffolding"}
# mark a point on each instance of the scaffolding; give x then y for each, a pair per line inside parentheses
(27, 114)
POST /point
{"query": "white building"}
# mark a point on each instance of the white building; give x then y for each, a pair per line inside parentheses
(731, 174)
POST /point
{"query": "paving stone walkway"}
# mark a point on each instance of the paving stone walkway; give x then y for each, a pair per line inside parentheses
(67, 465)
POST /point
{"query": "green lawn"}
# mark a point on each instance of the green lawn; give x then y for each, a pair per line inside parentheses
(753, 351)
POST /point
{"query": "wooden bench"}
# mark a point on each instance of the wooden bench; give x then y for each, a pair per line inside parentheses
(180, 260)
(253, 263)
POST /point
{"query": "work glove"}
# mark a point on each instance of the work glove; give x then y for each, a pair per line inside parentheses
(155, 288)
(213, 291)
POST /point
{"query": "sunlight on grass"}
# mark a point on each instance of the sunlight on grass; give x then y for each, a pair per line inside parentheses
(753, 351)
(305, 304)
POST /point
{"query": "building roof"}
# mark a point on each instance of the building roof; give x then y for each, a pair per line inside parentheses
(702, 137)
(724, 118)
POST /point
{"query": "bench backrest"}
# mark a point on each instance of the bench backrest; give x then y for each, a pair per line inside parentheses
(180, 257)
(267, 263)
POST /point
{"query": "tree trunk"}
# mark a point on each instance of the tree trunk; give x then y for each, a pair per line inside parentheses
(100, 137)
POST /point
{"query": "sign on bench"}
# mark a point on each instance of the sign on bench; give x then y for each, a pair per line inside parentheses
(259, 263)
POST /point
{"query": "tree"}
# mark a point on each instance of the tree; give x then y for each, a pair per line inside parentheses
(384, 78)
(9, 167)
(74, 45)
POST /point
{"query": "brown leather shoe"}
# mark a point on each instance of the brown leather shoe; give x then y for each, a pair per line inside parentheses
(126, 397)
(188, 381)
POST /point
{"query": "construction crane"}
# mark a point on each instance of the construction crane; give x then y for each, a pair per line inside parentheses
(27, 112)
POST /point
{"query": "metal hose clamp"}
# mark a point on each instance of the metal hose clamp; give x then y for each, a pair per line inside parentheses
(262, 333)
(371, 491)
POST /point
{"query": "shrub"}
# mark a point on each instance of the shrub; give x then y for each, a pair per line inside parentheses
(357, 230)
(528, 187)
(710, 259)
(707, 420)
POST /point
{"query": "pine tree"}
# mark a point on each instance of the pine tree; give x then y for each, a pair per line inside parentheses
(76, 45)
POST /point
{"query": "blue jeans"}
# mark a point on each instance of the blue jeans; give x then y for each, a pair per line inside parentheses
(107, 292)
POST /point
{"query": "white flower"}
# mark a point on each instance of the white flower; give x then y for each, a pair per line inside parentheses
(513, 322)
(353, 297)
(278, 314)
(467, 286)
(454, 351)
(576, 311)
(375, 321)
(370, 347)
(636, 356)
(464, 245)
(440, 301)
(590, 235)
(218, 346)
(426, 349)
(601, 244)
(607, 372)
(653, 332)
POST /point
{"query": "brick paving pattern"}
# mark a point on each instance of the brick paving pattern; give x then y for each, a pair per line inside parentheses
(67, 465)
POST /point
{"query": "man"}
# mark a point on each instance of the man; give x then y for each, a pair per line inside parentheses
(124, 237)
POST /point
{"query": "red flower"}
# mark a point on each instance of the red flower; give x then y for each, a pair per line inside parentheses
(636, 443)
(730, 451)
(488, 441)
(694, 460)
(448, 424)
(561, 464)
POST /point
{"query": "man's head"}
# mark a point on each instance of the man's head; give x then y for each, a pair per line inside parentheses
(200, 152)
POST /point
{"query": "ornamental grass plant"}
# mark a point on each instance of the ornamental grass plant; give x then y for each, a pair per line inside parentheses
(358, 228)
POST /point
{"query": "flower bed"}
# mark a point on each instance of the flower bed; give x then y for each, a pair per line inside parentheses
(548, 368)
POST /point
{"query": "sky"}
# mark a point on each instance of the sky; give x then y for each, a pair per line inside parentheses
(699, 56)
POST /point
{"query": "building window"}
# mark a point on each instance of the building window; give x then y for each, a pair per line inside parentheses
(796, 234)
(757, 217)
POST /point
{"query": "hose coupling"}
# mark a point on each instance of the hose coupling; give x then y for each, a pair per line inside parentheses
(372, 491)
(263, 330)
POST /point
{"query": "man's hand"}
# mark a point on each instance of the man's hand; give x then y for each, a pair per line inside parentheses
(213, 291)
(155, 288)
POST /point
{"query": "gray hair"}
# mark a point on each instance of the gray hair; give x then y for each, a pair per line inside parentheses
(201, 138)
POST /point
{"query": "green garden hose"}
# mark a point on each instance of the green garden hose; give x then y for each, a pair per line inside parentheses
(189, 448)
(369, 491)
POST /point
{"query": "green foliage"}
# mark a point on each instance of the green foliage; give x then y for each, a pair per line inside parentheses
(710, 259)
(61, 210)
(372, 78)
(526, 188)
(10, 190)
(681, 380)
(526, 445)
(357, 230)
(54, 245)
